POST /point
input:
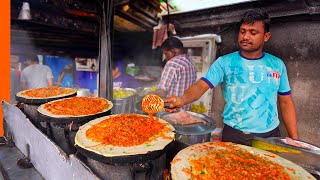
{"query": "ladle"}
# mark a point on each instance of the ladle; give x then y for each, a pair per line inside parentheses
(152, 104)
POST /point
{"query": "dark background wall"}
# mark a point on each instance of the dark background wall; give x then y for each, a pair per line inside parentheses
(135, 47)
(295, 39)
(297, 43)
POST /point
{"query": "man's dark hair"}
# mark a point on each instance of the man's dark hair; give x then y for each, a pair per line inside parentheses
(171, 43)
(255, 15)
(114, 65)
(33, 58)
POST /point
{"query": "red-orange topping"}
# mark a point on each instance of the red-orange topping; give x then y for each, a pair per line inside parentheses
(77, 106)
(233, 163)
(127, 130)
(175, 160)
(269, 155)
(47, 92)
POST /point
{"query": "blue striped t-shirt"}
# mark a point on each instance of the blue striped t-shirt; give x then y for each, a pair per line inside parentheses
(250, 88)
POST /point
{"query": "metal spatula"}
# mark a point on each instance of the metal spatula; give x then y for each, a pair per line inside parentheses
(152, 104)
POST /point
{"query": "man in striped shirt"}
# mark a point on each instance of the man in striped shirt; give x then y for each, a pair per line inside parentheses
(179, 72)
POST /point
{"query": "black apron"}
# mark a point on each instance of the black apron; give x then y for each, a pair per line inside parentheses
(230, 134)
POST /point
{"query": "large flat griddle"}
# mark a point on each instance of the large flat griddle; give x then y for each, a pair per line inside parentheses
(309, 159)
(65, 119)
(38, 101)
(115, 155)
(124, 160)
(68, 120)
(183, 158)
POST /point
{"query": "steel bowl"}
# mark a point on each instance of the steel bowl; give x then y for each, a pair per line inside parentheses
(193, 133)
(83, 92)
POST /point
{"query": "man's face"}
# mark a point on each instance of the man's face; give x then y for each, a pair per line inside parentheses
(252, 36)
(168, 54)
(114, 72)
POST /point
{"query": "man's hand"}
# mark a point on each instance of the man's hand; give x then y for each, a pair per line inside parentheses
(175, 103)
(50, 81)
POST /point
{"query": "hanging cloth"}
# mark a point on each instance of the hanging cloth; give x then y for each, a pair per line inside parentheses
(160, 34)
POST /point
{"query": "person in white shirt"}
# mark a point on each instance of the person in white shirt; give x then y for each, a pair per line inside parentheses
(35, 75)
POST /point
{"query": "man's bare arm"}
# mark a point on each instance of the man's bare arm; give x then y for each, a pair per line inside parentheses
(50, 81)
(192, 94)
(195, 92)
(288, 112)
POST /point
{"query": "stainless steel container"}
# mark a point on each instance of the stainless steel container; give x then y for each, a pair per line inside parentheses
(124, 105)
(193, 133)
(83, 92)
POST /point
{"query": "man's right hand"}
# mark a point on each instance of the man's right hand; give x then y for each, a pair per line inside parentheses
(175, 103)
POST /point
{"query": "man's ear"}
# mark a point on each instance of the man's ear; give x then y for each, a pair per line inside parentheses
(267, 36)
(173, 52)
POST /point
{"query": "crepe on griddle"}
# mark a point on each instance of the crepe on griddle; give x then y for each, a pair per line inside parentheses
(75, 107)
(47, 92)
(124, 134)
(220, 160)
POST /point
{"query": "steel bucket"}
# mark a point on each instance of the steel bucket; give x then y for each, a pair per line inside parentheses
(124, 105)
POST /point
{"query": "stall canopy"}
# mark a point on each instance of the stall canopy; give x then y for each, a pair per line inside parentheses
(64, 27)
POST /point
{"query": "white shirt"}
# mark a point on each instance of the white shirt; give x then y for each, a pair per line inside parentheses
(36, 76)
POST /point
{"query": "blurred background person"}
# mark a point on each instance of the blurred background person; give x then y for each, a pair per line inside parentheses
(66, 76)
(35, 75)
(14, 86)
(179, 72)
(122, 79)
(14, 78)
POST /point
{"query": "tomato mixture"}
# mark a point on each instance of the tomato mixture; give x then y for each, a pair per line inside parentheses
(47, 92)
(127, 130)
(77, 106)
(233, 163)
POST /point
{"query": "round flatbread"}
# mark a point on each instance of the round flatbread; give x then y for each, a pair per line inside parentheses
(124, 134)
(220, 160)
(75, 107)
(43, 95)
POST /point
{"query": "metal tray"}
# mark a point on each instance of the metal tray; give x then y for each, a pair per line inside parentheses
(192, 129)
(309, 159)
